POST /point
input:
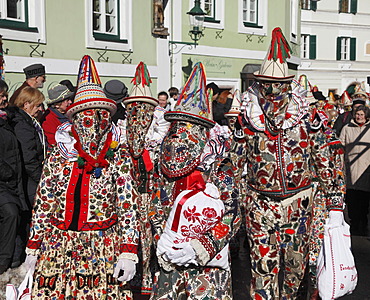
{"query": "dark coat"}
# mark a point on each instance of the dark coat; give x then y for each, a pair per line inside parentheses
(342, 120)
(32, 150)
(11, 189)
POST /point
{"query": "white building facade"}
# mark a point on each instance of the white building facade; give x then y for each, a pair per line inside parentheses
(335, 43)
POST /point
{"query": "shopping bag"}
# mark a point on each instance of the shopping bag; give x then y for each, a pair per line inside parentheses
(336, 270)
(23, 292)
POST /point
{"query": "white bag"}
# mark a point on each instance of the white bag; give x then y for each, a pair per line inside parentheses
(336, 270)
(24, 290)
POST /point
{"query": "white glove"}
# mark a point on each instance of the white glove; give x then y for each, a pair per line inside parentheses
(128, 267)
(30, 263)
(183, 255)
(335, 218)
(163, 247)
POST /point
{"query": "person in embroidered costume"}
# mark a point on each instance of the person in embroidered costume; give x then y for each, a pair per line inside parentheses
(140, 107)
(282, 152)
(84, 229)
(192, 235)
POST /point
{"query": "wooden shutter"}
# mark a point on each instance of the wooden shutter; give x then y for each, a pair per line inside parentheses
(352, 49)
(313, 5)
(338, 47)
(312, 46)
(353, 7)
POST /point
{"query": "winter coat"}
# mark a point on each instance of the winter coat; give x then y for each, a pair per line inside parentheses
(356, 140)
(32, 150)
(11, 190)
(342, 120)
(50, 122)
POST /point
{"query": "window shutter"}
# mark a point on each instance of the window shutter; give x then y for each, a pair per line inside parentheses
(313, 5)
(338, 47)
(312, 46)
(353, 7)
(340, 6)
(352, 51)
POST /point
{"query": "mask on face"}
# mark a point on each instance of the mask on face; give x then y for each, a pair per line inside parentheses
(139, 118)
(182, 147)
(274, 99)
(91, 127)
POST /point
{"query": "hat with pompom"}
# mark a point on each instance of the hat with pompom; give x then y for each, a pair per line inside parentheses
(235, 106)
(193, 104)
(89, 92)
(274, 66)
(141, 89)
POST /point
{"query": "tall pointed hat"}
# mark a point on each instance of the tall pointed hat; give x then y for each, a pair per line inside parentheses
(274, 66)
(89, 92)
(332, 99)
(346, 99)
(304, 82)
(193, 104)
(235, 106)
(141, 89)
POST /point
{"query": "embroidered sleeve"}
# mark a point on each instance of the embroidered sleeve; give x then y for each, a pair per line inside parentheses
(328, 161)
(43, 208)
(213, 241)
(127, 210)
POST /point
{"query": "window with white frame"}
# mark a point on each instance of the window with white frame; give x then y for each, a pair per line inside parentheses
(309, 5)
(250, 12)
(109, 24)
(253, 16)
(23, 20)
(214, 10)
(346, 48)
(308, 46)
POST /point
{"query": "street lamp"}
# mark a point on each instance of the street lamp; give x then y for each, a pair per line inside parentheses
(196, 16)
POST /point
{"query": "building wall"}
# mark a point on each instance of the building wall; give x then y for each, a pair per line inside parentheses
(327, 24)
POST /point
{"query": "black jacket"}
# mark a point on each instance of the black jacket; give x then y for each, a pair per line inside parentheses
(32, 150)
(11, 189)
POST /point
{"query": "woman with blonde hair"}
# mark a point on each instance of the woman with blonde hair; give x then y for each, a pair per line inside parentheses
(31, 141)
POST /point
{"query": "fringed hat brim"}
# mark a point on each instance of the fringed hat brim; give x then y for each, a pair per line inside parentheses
(145, 99)
(188, 117)
(104, 103)
(232, 113)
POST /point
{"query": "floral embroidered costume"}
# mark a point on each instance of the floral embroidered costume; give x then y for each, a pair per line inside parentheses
(191, 166)
(282, 148)
(84, 225)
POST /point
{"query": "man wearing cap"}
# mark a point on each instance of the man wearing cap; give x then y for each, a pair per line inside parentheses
(282, 150)
(192, 235)
(85, 229)
(60, 98)
(35, 77)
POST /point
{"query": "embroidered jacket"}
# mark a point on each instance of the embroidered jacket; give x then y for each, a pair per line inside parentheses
(283, 162)
(103, 202)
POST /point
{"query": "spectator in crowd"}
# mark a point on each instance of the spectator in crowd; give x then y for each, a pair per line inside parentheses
(60, 98)
(35, 77)
(11, 190)
(31, 139)
(355, 136)
(116, 90)
(347, 116)
(221, 103)
(163, 99)
(69, 85)
(174, 93)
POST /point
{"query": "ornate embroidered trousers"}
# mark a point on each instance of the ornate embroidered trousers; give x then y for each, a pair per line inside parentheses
(192, 283)
(278, 233)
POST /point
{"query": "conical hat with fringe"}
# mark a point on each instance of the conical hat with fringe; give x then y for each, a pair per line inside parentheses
(193, 104)
(304, 82)
(332, 99)
(274, 66)
(89, 92)
(346, 99)
(235, 106)
(141, 90)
